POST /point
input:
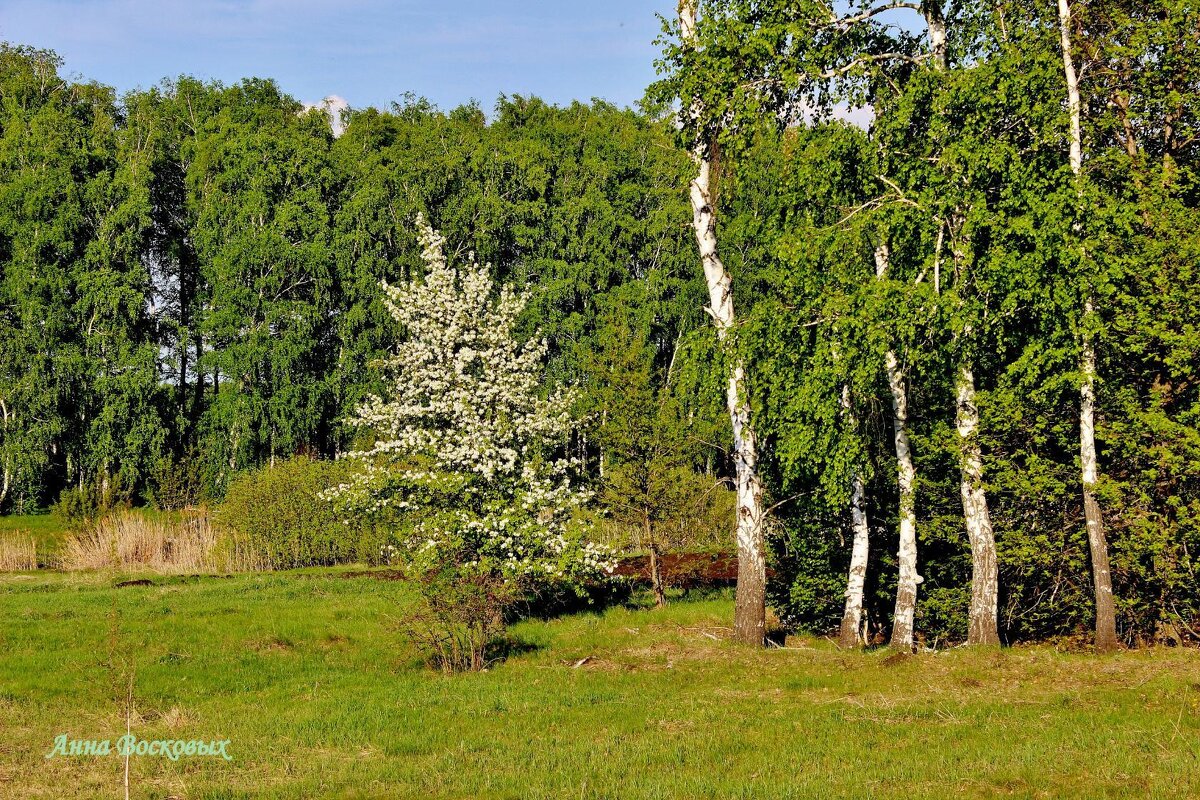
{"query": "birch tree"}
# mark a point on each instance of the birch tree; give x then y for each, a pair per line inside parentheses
(750, 604)
(906, 479)
(852, 632)
(983, 624)
(1106, 619)
(982, 616)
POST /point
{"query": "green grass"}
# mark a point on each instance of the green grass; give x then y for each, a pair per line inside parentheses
(306, 675)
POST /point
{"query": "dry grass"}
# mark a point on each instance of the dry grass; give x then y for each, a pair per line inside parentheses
(129, 539)
(18, 551)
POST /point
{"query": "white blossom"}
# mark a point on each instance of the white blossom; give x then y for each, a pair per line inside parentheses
(464, 437)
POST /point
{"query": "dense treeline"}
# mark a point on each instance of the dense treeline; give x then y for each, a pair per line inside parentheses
(981, 312)
(191, 274)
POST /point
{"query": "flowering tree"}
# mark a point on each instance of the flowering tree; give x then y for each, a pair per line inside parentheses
(465, 441)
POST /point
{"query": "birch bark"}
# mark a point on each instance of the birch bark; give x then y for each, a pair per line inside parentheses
(7, 458)
(982, 627)
(750, 603)
(906, 475)
(853, 630)
(1106, 619)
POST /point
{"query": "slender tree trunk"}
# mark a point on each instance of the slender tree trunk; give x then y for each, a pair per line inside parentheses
(983, 627)
(7, 458)
(750, 604)
(656, 574)
(1106, 618)
(197, 407)
(853, 631)
(906, 474)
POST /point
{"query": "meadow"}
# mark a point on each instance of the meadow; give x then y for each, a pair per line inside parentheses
(307, 676)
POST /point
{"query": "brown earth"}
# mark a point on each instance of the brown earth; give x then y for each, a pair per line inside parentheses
(680, 570)
(684, 570)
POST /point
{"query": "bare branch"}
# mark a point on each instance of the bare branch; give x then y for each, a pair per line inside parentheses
(844, 23)
(873, 59)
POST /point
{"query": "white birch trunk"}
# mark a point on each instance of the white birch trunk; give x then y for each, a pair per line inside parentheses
(750, 605)
(7, 459)
(935, 26)
(906, 475)
(983, 627)
(853, 631)
(1106, 620)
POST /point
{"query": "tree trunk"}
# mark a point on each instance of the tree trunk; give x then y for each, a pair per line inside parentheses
(656, 578)
(982, 626)
(750, 604)
(7, 459)
(1106, 618)
(935, 26)
(656, 575)
(906, 474)
(853, 631)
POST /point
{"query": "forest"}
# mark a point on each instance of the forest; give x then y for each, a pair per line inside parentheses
(935, 375)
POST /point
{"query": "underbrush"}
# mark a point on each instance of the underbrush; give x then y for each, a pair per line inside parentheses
(277, 516)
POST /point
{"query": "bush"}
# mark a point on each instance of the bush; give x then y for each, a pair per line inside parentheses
(277, 514)
(175, 484)
(79, 506)
(460, 618)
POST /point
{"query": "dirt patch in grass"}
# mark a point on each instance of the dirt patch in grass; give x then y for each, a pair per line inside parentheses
(135, 582)
(377, 574)
(272, 644)
(684, 570)
(681, 570)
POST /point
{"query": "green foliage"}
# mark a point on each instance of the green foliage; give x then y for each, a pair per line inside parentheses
(77, 355)
(276, 513)
(76, 506)
(175, 484)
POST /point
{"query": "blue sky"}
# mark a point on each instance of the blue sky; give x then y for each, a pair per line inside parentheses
(368, 51)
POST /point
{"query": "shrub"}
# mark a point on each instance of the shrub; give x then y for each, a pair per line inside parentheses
(459, 618)
(276, 513)
(175, 484)
(76, 506)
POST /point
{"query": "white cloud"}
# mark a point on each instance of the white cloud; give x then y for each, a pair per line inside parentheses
(335, 107)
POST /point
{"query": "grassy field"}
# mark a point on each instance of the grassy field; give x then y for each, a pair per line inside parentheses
(306, 676)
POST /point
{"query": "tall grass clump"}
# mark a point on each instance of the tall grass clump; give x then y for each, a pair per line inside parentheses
(18, 551)
(185, 542)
